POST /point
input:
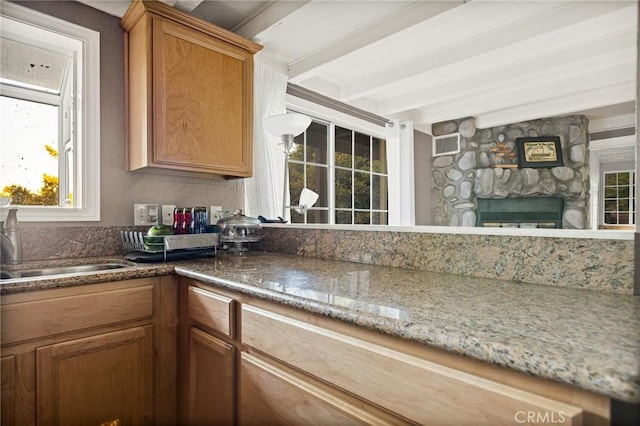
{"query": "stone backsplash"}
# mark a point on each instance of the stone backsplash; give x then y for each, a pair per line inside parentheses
(459, 180)
(67, 242)
(593, 264)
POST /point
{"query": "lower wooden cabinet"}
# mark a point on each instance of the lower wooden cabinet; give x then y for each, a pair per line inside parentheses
(90, 354)
(211, 380)
(296, 368)
(106, 378)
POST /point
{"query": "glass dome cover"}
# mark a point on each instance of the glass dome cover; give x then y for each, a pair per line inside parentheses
(239, 228)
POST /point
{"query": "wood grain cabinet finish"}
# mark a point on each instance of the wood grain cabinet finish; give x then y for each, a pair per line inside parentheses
(90, 354)
(271, 394)
(418, 389)
(98, 379)
(211, 380)
(212, 310)
(189, 93)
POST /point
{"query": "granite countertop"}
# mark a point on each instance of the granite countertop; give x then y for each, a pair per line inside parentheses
(583, 338)
(133, 270)
(587, 339)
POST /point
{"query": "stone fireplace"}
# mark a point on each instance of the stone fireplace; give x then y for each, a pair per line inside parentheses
(460, 180)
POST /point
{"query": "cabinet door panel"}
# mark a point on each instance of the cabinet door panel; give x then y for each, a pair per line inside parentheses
(8, 389)
(18, 392)
(272, 395)
(211, 380)
(200, 100)
(97, 379)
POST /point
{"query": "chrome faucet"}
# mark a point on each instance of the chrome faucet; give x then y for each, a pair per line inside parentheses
(11, 247)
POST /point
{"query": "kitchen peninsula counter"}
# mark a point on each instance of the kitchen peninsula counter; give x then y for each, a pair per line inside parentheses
(586, 339)
(583, 338)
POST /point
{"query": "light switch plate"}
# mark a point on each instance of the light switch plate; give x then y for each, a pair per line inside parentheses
(213, 219)
(167, 214)
(145, 214)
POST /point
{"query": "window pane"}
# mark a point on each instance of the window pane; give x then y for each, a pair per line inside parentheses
(29, 156)
(379, 155)
(343, 188)
(296, 217)
(343, 147)
(623, 192)
(317, 143)
(611, 218)
(317, 216)
(343, 217)
(610, 192)
(623, 178)
(623, 205)
(317, 182)
(296, 182)
(379, 193)
(361, 155)
(361, 190)
(379, 218)
(610, 179)
(362, 218)
(297, 150)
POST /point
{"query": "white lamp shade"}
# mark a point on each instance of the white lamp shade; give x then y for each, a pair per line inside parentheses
(290, 123)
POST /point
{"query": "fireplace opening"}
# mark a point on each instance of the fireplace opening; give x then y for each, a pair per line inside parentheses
(532, 212)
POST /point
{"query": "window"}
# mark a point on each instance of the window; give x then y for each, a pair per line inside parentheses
(347, 168)
(309, 167)
(619, 198)
(49, 102)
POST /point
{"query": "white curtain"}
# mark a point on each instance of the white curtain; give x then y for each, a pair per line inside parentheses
(263, 192)
(400, 166)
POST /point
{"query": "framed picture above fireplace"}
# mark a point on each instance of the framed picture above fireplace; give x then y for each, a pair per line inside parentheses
(539, 151)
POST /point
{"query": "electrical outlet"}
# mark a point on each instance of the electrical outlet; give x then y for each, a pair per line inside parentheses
(145, 214)
(167, 214)
(213, 219)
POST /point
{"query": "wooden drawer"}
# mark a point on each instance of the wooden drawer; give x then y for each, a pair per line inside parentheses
(421, 390)
(52, 312)
(211, 310)
(272, 394)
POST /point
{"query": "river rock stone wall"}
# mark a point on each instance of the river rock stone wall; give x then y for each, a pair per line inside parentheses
(460, 179)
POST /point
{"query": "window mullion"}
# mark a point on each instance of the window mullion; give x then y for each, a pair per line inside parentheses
(331, 162)
(353, 177)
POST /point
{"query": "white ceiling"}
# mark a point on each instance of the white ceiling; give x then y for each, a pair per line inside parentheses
(429, 61)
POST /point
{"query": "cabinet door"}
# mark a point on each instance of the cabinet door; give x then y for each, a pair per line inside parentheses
(211, 380)
(18, 391)
(202, 102)
(98, 379)
(274, 395)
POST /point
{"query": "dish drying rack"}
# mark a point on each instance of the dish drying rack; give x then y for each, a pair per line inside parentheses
(136, 240)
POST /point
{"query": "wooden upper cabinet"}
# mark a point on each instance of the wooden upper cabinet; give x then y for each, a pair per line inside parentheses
(189, 93)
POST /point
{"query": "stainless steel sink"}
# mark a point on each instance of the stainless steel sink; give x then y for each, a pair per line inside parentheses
(61, 270)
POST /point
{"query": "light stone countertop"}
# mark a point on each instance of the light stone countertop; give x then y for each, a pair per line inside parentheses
(587, 339)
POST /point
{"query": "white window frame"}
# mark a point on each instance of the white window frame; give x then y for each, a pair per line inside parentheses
(602, 152)
(632, 199)
(336, 118)
(87, 150)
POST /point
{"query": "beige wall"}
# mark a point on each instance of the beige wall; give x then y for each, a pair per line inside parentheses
(422, 147)
(119, 188)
